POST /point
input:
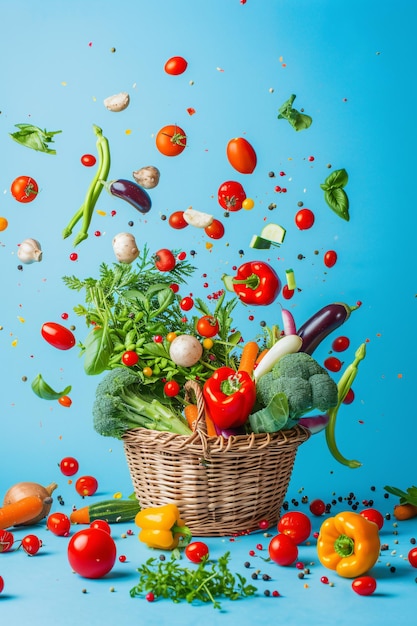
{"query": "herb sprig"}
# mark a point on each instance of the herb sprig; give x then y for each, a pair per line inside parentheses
(34, 137)
(208, 582)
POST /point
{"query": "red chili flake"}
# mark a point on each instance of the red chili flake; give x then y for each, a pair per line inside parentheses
(275, 593)
(324, 580)
(73, 256)
(251, 318)
(181, 256)
(251, 552)
(205, 285)
(299, 565)
(190, 111)
(129, 532)
(112, 213)
(284, 190)
(97, 233)
(282, 173)
(278, 188)
(259, 546)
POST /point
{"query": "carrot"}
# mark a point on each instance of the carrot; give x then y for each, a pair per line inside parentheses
(405, 511)
(81, 516)
(190, 414)
(21, 511)
(261, 355)
(211, 429)
(248, 357)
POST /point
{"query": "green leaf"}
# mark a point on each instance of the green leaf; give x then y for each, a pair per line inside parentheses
(155, 349)
(299, 121)
(406, 497)
(98, 348)
(44, 391)
(338, 201)
(273, 417)
(338, 178)
(35, 138)
(165, 298)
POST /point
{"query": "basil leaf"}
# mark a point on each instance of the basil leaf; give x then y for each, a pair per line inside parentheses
(44, 391)
(299, 121)
(338, 178)
(98, 348)
(338, 201)
(35, 138)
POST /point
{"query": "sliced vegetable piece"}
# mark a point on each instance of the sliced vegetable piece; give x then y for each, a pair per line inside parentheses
(274, 232)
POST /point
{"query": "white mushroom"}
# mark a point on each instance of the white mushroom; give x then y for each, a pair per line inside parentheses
(118, 102)
(185, 350)
(147, 177)
(125, 248)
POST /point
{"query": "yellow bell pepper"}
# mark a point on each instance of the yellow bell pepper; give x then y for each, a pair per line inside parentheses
(162, 527)
(349, 544)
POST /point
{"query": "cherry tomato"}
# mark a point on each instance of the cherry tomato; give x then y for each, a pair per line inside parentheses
(147, 372)
(24, 189)
(65, 401)
(340, 344)
(31, 544)
(3, 223)
(330, 258)
(91, 552)
(287, 293)
(176, 220)
(1, 584)
(333, 364)
(130, 358)
(241, 155)
(171, 388)
(364, 586)
(175, 66)
(282, 550)
(69, 466)
(412, 557)
(88, 160)
(58, 336)
(304, 219)
(186, 303)
(349, 397)
(164, 260)
(373, 516)
(86, 486)
(171, 140)
(6, 540)
(207, 326)
(317, 507)
(215, 230)
(231, 195)
(196, 551)
(208, 343)
(248, 204)
(102, 525)
(59, 524)
(295, 525)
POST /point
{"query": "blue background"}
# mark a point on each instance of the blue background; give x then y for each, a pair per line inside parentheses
(351, 68)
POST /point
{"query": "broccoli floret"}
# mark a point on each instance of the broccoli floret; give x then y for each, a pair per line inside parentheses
(305, 383)
(121, 403)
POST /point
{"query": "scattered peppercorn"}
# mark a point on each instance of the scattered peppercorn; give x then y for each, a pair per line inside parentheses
(246, 564)
(267, 592)
(266, 577)
(271, 174)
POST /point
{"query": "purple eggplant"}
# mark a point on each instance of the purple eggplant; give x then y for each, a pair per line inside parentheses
(229, 432)
(133, 193)
(322, 323)
(314, 423)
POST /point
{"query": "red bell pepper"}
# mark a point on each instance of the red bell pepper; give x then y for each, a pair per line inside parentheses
(256, 282)
(230, 397)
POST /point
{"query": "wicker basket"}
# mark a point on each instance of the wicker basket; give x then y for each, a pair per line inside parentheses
(221, 486)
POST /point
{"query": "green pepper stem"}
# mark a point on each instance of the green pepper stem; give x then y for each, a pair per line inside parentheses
(252, 281)
(344, 546)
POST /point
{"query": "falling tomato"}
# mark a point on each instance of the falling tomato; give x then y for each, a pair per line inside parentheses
(304, 219)
(241, 155)
(330, 258)
(24, 189)
(175, 66)
(215, 230)
(86, 486)
(171, 140)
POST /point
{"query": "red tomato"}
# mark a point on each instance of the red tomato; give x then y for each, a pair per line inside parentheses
(207, 326)
(373, 516)
(330, 258)
(58, 336)
(287, 293)
(340, 344)
(65, 401)
(86, 486)
(69, 466)
(295, 525)
(31, 544)
(91, 552)
(24, 189)
(364, 586)
(304, 219)
(130, 358)
(59, 524)
(88, 160)
(187, 303)
(176, 220)
(412, 557)
(215, 230)
(164, 260)
(196, 551)
(282, 550)
(171, 388)
(102, 525)
(333, 364)
(1, 584)
(171, 140)
(350, 396)
(175, 66)
(6, 540)
(317, 507)
(241, 155)
(231, 195)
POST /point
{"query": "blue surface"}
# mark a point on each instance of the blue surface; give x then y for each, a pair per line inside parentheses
(351, 68)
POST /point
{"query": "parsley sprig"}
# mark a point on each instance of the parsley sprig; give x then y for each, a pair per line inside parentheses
(208, 582)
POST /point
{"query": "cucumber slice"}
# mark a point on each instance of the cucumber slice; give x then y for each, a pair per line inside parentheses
(259, 243)
(274, 233)
(228, 282)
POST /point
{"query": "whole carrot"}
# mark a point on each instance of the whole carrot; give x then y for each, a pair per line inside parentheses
(21, 511)
(248, 357)
(407, 506)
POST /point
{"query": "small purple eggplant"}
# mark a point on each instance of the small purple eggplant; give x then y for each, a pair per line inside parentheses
(130, 191)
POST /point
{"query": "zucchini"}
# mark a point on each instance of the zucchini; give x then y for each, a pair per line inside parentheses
(111, 511)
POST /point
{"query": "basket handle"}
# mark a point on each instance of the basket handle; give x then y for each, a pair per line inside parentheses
(192, 388)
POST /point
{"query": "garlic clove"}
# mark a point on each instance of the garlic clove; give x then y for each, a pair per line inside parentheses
(118, 102)
(29, 251)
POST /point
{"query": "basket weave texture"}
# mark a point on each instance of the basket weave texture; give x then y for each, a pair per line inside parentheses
(221, 486)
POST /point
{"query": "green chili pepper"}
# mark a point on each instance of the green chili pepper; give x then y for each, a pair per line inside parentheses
(44, 391)
(343, 387)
